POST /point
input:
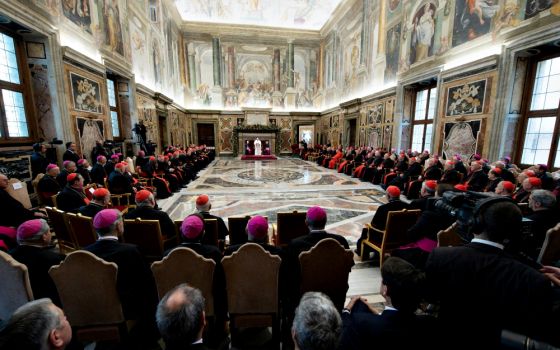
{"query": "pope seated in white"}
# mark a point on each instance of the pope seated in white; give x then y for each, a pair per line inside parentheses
(258, 150)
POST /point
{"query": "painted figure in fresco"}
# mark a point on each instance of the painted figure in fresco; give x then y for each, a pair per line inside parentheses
(473, 19)
(113, 33)
(258, 150)
(423, 34)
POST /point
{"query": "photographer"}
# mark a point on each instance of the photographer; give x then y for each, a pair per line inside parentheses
(481, 290)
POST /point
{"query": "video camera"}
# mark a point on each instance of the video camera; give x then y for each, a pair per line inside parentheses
(460, 206)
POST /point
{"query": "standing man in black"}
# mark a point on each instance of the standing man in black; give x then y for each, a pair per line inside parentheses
(38, 161)
(482, 289)
(135, 282)
(70, 153)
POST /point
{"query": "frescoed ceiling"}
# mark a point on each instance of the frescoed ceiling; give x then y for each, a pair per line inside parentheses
(298, 14)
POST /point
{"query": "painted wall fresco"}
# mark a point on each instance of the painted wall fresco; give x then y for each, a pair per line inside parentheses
(305, 14)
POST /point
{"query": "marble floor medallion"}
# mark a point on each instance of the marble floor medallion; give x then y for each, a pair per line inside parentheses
(239, 188)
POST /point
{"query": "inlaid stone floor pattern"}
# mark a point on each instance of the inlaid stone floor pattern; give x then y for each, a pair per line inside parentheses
(239, 188)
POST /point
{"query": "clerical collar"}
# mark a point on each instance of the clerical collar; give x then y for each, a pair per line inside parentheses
(109, 238)
(487, 242)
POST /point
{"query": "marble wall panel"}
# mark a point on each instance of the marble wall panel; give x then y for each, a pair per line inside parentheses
(43, 101)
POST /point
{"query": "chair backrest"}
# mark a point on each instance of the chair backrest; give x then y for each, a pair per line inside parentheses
(87, 286)
(59, 224)
(15, 289)
(35, 184)
(449, 237)
(327, 255)
(398, 223)
(237, 225)
(18, 190)
(290, 226)
(210, 232)
(252, 280)
(550, 251)
(184, 265)
(146, 234)
(82, 229)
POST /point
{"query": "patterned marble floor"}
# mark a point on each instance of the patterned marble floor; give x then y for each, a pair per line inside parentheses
(239, 188)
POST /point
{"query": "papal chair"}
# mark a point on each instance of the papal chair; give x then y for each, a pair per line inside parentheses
(87, 286)
(82, 229)
(184, 265)
(394, 235)
(550, 251)
(327, 255)
(289, 226)
(252, 276)
(15, 289)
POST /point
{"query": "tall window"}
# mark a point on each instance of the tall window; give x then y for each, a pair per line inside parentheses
(13, 116)
(540, 139)
(114, 108)
(423, 121)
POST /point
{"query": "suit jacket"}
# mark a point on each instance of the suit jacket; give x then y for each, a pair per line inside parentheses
(269, 248)
(12, 212)
(85, 174)
(48, 184)
(72, 156)
(380, 218)
(70, 200)
(147, 213)
(361, 329)
(135, 282)
(98, 174)
(477, 181)
(38, 261)
(482, 289)
(38, 164)
(90, 210)
(304, 243)
(433, 173)
(543, 220)
(61, 178)
(119, 183)
(222, 228)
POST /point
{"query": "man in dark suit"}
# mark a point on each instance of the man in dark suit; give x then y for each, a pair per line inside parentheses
(181, 318)
(397, 327)
(68, 167)
(100, 200)
(204, 206)
(476, 180)
(72, 196)
(379, 220)
(98, 173)
(145, 209)
(135, 282)
(481, 290)
(38, 161)
(544, 216)
(317, 323)
(35, 251)
(119, 183)
(70, 153)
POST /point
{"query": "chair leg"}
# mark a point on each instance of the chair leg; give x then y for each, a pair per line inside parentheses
(362, 252)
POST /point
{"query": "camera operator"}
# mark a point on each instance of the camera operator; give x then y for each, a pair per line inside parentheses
(39, 162)
(482, 290)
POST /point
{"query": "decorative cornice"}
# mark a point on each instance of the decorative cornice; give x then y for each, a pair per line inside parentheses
(80, 59)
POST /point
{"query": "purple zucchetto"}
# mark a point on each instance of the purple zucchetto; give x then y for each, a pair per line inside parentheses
(257, 227)
(105, 218)
(192, 227)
